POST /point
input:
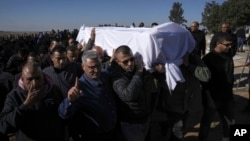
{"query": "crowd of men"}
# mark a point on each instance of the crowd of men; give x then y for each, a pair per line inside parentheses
(54, 88)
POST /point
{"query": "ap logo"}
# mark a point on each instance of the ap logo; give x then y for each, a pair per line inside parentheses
(240, 132)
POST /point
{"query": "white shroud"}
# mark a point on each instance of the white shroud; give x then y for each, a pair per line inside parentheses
(166, 43)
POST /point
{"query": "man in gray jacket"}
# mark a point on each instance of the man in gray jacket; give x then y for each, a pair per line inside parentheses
(134, 87)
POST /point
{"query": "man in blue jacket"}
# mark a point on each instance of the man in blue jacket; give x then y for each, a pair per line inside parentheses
(90, 107)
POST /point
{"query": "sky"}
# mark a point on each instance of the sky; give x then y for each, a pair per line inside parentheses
(45, 15)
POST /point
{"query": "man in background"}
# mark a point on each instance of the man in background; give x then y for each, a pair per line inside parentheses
(225, 28)
(241, 37)
(200, 39)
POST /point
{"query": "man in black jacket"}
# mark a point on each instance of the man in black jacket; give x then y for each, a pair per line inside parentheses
(200, 39)
(225, 28)
(217, 93)
(16, 61)
(62, 71)
(241, 37)
(30, 110)
(133, 86)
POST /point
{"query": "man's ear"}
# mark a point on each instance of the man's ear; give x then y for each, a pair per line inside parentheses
(116, 60)
(51, 57)
(21, 77)
(83, 67)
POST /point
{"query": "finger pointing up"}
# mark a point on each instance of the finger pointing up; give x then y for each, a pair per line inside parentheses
(77, 83)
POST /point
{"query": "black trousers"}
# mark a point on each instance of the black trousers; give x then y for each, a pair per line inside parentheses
(211, 107)
(4, 137)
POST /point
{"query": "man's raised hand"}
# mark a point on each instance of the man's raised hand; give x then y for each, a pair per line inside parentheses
(74, 92)
(92, 34)
(32, 96)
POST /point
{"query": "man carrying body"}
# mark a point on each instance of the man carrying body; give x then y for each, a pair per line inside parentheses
(133, 86)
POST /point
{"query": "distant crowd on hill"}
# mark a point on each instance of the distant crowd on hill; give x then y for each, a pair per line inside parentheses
(38, 42)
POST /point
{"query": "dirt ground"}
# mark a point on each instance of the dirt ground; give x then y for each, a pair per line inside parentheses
(241, 95)
(242, 117)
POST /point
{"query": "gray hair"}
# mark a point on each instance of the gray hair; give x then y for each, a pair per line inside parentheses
(90, 54)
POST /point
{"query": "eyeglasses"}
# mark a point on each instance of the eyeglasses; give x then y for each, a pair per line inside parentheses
(125, 62)
(227, 45)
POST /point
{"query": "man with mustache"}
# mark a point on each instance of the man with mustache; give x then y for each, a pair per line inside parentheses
(30, 110)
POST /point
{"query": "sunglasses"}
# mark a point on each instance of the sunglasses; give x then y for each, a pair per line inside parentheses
(227, 45)
(125, 62)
